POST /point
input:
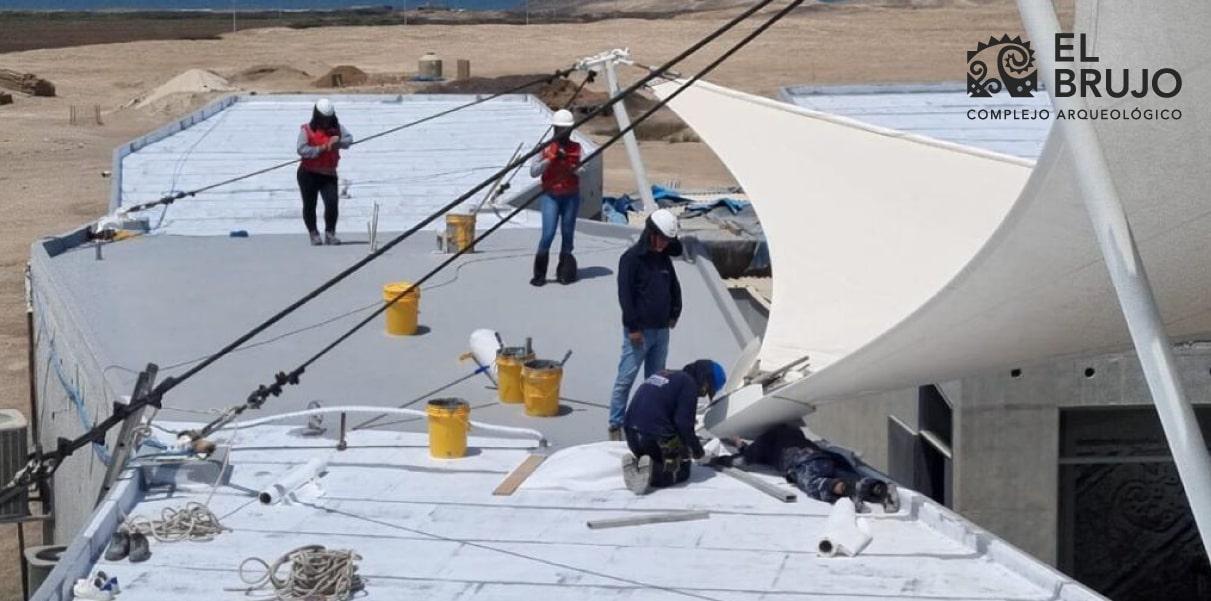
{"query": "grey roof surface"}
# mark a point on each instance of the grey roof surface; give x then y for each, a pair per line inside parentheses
(170, 299)
(409, 173)
(432, 529)
(938, 111)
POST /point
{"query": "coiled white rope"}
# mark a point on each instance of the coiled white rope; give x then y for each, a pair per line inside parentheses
(195, 522)
(316, 574)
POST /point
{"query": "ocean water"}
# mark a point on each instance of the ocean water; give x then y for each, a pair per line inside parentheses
(226, 5)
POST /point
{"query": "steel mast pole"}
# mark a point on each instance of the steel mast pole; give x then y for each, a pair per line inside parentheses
(1130, 280)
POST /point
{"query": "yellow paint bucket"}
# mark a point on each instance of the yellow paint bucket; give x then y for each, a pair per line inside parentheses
(509, 362)
(460, 232)
(449, 421)
(402, 315)
(540, 382)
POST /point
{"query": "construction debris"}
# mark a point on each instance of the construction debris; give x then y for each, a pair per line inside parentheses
(5, 98)
(27, 83)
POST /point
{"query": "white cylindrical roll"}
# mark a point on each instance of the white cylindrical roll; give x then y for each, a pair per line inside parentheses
(842, 533)
(292, 480)
(484, 344)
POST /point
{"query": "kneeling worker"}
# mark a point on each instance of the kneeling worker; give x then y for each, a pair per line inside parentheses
(824, 474)
(659, 425)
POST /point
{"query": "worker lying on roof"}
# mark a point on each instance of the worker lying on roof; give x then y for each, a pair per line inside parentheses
(824, 473)
(659, 425)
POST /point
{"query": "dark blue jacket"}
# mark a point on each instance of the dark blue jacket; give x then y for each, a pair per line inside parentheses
(648, 290)
(664, 407)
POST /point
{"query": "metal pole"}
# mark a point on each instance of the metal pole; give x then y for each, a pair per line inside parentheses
(21, 559)
(31, 357)
(632, 145)
(1130, 281)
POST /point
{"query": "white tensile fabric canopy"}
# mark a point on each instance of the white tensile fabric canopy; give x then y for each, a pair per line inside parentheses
(901, 261)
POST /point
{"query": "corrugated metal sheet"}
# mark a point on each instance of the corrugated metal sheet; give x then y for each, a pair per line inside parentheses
(410, 173)
(935, 110)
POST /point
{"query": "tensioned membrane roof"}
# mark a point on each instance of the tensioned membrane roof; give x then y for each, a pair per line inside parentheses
(901, 260)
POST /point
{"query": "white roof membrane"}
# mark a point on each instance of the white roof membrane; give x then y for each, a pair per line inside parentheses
(410, 173)
(432, 529)
(938, 111)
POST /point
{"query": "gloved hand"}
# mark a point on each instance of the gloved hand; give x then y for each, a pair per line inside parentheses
(722, 461)
(699, 453)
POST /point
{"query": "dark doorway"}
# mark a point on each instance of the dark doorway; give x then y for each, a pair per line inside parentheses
(1126, 529)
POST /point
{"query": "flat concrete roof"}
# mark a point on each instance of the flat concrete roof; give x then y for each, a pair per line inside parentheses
(935, 110)
(174, 299)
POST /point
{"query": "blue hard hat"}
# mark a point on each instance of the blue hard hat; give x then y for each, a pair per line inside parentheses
(718, 378)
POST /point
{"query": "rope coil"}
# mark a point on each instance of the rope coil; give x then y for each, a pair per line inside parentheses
(194, 522)
(316, 574)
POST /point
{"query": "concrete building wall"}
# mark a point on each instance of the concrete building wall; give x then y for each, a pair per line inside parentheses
(1008, 435)
(1007, 432)
(72, 395)
(860, 423)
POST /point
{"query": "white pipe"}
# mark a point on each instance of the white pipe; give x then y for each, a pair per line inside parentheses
(542, 440)
(632, 146)
(292, 480)
(1130, 281)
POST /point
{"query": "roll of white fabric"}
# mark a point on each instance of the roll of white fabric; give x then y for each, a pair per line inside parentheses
(843, 534)
(484, 345)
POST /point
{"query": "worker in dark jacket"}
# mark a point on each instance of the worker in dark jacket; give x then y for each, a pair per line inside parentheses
(660, 424)
(824, 474)
(650, 297)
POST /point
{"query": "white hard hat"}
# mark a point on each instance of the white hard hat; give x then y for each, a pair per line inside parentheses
(563, 118)
(665, 222)
(324, 107)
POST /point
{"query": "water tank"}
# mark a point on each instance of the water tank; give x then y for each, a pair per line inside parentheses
(430, 66)
(13, 455)
(41, 560)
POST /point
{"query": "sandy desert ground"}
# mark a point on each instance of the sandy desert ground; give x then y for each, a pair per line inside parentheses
(50, 170)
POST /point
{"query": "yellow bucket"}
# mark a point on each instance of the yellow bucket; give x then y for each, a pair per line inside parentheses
(449, 421)
(460, 231)
(541, 379)
(401, 316)
(509, 362)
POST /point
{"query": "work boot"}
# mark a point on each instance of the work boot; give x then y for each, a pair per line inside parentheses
(540, 269)
(330, 239)
(637, 473)
(891, 501)
(119, 546)
(140, 549)
(316, 240)
(566, 270)
(615, 434)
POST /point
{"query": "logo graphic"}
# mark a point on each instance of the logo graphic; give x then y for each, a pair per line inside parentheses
(1015, 69)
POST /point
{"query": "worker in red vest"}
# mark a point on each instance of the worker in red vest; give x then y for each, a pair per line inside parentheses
(559, 166)
(320, 142)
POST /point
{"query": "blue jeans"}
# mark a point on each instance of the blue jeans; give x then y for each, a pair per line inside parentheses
(651, 355)
(558, 212)
(818, 474)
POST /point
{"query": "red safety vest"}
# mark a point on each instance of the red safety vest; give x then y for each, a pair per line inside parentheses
(326, 162)
(560, 178)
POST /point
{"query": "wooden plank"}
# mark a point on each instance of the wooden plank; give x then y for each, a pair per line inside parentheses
(513, 481)
(640, 520)
(782, 494)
